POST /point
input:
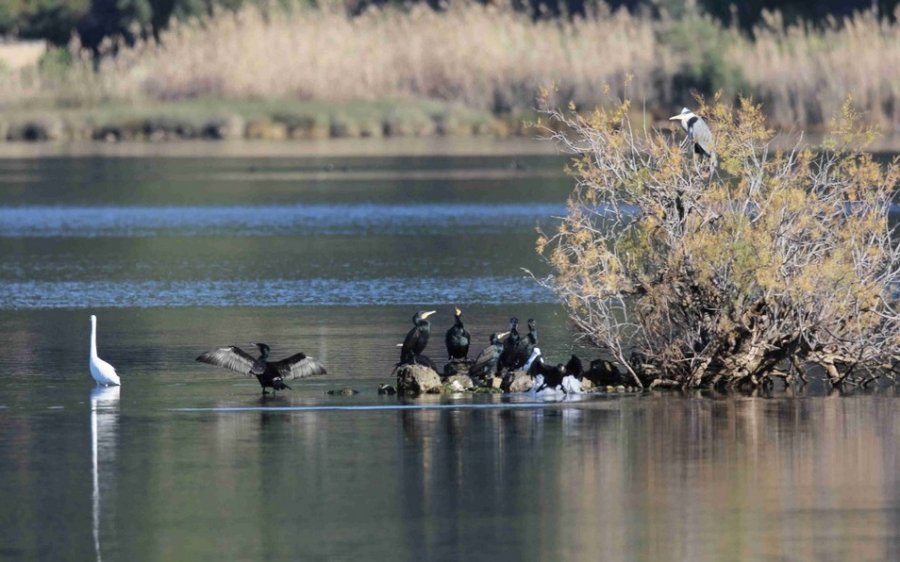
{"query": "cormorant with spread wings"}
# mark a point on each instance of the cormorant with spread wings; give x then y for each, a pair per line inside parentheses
(270, 374)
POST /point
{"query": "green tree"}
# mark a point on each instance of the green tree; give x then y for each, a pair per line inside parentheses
(53, 20)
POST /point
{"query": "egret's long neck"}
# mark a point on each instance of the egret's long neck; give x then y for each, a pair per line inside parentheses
(94, 338)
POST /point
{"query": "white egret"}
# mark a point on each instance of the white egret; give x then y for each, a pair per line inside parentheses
(103, 372)
(698, 133)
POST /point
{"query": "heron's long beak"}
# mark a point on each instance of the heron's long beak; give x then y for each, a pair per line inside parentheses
(678, 117)
(503, 335)
(427, 314)
(457, 310)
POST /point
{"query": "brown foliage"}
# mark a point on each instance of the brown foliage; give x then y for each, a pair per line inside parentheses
(772, 262)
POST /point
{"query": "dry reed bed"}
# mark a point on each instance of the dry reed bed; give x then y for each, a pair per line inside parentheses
(487, 58)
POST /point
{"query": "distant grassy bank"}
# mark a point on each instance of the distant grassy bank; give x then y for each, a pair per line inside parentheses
(318, 73)
(269, 119)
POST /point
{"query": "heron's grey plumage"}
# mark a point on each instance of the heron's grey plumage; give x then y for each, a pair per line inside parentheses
(698, 133)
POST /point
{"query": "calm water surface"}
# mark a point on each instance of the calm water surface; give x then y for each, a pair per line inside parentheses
(332, 255)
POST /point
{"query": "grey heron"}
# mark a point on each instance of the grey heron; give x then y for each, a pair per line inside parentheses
(698, 133)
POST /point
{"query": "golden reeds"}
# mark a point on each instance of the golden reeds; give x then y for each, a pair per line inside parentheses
(492, 58)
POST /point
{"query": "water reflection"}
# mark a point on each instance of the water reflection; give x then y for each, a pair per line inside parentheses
(656, 478)
(104, 427)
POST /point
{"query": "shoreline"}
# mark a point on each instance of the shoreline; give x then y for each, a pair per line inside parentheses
(327, 148)
(458, 146)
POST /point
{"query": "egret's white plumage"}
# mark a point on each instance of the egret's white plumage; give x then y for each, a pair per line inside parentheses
(103, 372)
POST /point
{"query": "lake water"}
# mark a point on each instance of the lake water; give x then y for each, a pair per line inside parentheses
(330, 253)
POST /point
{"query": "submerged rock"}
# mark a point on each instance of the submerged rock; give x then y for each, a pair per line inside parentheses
(342, 391)
(417, 379)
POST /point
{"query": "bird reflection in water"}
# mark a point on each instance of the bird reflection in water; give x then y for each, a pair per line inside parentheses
(104, 422)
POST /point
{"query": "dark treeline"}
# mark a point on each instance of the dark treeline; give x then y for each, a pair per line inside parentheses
(128, 20)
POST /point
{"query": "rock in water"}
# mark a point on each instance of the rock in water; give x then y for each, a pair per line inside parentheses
(517, 381)
(457, 367)
(460, 383)
(417, 379)
(342, 392)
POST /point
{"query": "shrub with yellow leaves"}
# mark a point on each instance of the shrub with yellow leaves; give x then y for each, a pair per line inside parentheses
(773, 264)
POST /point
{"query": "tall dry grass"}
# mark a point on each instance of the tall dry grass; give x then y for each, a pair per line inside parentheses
(483, 57)
(490, 57)
(803, 74)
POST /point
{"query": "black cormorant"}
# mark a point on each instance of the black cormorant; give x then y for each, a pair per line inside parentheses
(417, 338)
(508, 357)
(526, 346)
(553, 376)
(486, 363)
(270, 374)
(457, 338)
(574, 367)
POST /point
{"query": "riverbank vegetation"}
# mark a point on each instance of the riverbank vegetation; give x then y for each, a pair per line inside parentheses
(771, 265)
(462, 69)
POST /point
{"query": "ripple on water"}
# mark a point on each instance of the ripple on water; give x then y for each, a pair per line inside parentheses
(273, 292)
(91, 222)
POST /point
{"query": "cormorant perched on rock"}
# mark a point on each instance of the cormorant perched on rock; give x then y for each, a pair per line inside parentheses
(457, 338)
(574, 370)
(103, 372)
(544, 375)
(270, 374)
(526, 346)
(574, 367)
(426, 361)
(486, 364)
(604, 373)
(417, 338)
(553, 376)
(508, 356)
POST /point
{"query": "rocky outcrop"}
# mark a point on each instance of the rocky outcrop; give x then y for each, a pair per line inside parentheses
(417, 379)
(457, 367)
(459, 383)
(517, 381)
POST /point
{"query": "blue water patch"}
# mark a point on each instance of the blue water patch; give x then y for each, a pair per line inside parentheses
(274, 292)
(324, 219)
